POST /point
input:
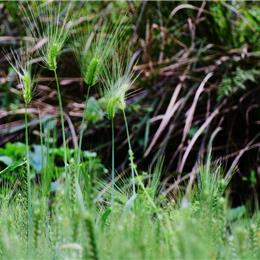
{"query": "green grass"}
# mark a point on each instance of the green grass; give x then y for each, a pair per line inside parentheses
(78, 223)
(66, 212)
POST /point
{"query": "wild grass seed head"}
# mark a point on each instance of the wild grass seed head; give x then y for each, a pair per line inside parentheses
(20, 62)
(118, 80)
(92, 72)
(95, 49)
(49, 27)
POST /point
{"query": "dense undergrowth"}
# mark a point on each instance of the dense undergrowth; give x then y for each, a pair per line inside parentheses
(96, 188)
(198, 84)
(200, 226)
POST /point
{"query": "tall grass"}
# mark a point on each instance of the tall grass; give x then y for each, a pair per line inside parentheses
(118, 81)
(80, 216)
(204, 227)
(22, 68)
(93, 51)
(52, 35)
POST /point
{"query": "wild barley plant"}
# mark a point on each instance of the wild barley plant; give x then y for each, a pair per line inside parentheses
(118, 80)
(21, 65)
(51, 32)
(93, 51)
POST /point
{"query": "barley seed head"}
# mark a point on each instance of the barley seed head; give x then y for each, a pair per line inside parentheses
(96, 48)
(118, 81)
(27, 84)
(92, 72)
(49, 27)
(20, 62)
(52, 53)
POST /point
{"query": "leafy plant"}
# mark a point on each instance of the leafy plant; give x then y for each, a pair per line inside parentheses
(236, 81)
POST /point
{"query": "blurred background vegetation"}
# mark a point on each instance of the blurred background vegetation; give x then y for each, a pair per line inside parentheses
(197, 94)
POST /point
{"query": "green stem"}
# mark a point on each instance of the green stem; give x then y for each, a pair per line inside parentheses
(91, 251)
(113, 161)
(82, 128)
(42, 152)
(62, 120)
(29, 196)
(131, 154)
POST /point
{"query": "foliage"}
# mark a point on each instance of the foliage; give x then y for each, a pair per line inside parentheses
(94, 112)
(236, 24)
(203, 227)
(62, 202)
(235, 81)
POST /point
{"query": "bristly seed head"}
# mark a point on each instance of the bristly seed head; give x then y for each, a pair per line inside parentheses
(53, 51)
(116, 99)
(97, 48)
(21, 65)
(27, 83)
(92, 72)
(117, 83)
(50, 29)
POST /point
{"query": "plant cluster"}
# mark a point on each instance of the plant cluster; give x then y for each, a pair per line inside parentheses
(62, 203)
(97, 50)
(78, 221)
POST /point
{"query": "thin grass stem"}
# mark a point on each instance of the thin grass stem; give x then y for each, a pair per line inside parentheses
(113, 160)
(29, 196)
(82, 128)
(42, 149)
(131, 153)
(62, 120)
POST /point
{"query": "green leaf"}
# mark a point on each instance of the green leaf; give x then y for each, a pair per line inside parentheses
(104, 217)
(36, 157)
(94, 113)
(236, 213)
(12, 167)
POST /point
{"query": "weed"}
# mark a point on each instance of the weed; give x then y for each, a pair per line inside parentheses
(76, 214)
(23, 69)
(53, 35)
(118, 81)
(93, 51)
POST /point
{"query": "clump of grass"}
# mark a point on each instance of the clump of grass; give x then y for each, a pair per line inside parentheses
(175, 231)
(70, 218)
